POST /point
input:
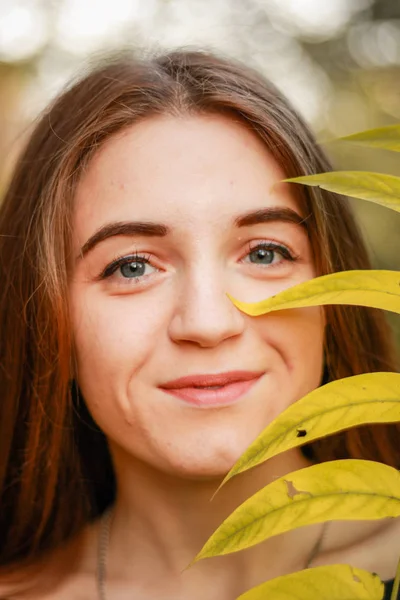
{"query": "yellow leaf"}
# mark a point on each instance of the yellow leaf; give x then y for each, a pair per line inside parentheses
(343, 489)
(333, 582)
(396, 583)
(375, 187)
(387, 138)
(338, 405)
(375, 288)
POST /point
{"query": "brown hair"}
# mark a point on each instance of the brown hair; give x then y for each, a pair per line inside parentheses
(55, 469)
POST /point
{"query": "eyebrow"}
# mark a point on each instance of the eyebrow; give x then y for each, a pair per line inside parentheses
(123, 228)
(271, 213)
(150, 229)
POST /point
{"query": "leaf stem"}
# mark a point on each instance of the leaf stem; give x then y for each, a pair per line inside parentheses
(396, 584)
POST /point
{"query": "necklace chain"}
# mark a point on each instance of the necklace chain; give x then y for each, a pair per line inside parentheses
(102, 549)
(104, 538)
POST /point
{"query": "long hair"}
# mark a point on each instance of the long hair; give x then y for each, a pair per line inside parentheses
(55, 468)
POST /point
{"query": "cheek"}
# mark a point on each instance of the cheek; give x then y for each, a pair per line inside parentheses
(114, 337)
(304, 331)
(296, 341)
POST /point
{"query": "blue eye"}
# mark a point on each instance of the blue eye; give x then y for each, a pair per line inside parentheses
(269, 254)
(129, 267)
(133, 269)
(265, 256)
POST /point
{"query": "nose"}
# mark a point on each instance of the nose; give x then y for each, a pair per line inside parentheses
(203, 313)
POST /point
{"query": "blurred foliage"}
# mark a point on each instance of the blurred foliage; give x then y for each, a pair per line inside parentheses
(338, 61)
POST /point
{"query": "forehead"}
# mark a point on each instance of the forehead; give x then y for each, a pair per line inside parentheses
(200, 169)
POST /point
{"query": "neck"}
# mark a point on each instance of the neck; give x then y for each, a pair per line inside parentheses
(163, 521)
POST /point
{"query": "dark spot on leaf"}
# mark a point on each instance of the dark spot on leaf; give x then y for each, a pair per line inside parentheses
(292, 491)
(355, 576)
(301, 433)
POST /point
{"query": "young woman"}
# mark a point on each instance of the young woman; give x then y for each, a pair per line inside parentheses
(130, 383)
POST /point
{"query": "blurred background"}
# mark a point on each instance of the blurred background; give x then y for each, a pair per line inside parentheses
(338, 61)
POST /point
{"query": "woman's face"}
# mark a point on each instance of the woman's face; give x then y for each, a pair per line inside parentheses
(184, 210)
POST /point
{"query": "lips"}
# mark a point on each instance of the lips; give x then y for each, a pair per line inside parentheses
(217, 390)
(211, 380)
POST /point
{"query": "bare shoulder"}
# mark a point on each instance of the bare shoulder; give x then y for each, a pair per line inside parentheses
(17, 584)
(370, 545)
(7, 590)
(65, 573)
(76, 587)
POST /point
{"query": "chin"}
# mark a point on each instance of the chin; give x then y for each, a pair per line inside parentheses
(202, 473)
(203, 466)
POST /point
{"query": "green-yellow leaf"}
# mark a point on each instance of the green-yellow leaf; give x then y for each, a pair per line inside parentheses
(338, 405)
(375, 187)
(343, 489)
(387, 138)
(332, 582)
(375, 288)
(396, 583)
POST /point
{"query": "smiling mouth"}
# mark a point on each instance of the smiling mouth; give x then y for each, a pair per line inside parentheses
(215, 395)
(207, 387)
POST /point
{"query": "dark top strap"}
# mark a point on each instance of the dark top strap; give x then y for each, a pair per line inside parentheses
(388, 590)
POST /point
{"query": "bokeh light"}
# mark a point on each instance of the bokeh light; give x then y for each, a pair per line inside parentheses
(338, 61)
(23, 29)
